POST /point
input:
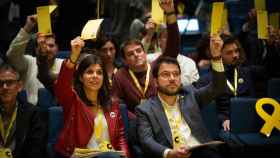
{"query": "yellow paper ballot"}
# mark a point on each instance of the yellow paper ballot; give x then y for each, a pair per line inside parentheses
(274, 20)
(52, 8)
(262, 19)
(216, 17)
(91, 29)
(225, 19)
(260, 4)
(157, 12)
(44, 18)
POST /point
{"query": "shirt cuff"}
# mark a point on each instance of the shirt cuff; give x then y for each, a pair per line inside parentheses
(166, 152)
(217, 65)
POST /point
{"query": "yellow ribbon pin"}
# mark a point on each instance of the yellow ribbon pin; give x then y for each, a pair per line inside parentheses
(272, 120)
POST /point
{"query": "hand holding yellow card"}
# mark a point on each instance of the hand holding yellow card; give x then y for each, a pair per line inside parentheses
(91, 29)
(262, 19)
(157, 12)
(216, 17)
(44, 18)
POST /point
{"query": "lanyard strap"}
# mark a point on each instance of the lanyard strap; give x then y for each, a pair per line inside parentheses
(233, 89)
(174, 122)
(136, 82)
(5, 133)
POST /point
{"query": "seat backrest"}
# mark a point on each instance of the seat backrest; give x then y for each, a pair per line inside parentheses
(243, 116)
(273, 88)
(45, 99)
(210, 117)
(55, 122)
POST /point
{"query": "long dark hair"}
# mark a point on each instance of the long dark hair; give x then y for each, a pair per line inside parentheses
(103, 94)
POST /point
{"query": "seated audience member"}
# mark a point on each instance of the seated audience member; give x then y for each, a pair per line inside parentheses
(91, 118)
(134, 82)
(189, 72)
(107, 47)
(31, 67)
(170, 122)
(239, 78)
(23, 131)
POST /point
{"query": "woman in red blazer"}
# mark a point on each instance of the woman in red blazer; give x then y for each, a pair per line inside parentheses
(91, 118)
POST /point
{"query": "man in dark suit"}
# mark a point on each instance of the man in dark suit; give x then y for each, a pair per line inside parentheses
(23, 131)
(170, 122)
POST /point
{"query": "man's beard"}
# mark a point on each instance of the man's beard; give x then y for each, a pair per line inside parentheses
(167, 92)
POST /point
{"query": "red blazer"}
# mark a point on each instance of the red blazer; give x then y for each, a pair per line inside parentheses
(79, 119)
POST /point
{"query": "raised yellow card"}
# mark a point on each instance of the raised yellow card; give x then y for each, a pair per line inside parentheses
(274, 20)
(216, 17)
(157, 12)
(52, 8)
(91, 29)
(262, 19)
(225, 19)
(181, 8)
(44, 18)
(260, 4)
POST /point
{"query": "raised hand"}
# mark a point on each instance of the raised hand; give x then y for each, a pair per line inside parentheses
(167, 5)
(216, 44)
(30, 23)
(76, 46)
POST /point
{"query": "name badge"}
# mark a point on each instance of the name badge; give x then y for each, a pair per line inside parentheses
(5, 153)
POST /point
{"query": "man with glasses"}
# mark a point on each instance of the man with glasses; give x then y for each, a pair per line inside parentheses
(170, 122)
(23, 132)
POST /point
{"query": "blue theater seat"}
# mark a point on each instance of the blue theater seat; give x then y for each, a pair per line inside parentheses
(55, 123)
(246, 124)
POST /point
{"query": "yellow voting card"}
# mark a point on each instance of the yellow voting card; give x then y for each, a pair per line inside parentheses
(44, 18)
(262, 19)
(274, 20)
(91, 29)
(260, 4)
(225, 19)
(216, 17)
(157, 12)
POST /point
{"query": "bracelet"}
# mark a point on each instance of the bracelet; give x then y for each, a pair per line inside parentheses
(216, 58)
(170, 13)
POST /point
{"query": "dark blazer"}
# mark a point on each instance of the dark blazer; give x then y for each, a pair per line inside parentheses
(31, 132)
(152, 125)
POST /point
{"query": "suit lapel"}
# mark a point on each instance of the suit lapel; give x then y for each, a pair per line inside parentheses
(162, 119)
(184, 110)
(21, 124)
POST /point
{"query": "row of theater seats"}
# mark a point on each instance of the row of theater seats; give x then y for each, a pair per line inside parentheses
(245, 124)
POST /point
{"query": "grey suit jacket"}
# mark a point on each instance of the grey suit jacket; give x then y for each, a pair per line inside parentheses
(153, 129)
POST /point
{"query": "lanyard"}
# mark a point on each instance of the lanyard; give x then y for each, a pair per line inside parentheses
(5, 133)
(174, 123)
(233, 89)
(136, 82)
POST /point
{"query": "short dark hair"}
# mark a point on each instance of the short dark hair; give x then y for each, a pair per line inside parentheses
(7, 67)
(104, 94)
(129, 42)
(164, 60)
(229, 39)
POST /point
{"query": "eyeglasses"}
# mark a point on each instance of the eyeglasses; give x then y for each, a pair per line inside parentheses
(169, 75)
(8, 83)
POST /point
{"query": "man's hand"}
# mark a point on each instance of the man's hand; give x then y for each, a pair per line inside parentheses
(226, 125)
(167, 5)
(30, 23)
(181, 152)
(216, 44)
